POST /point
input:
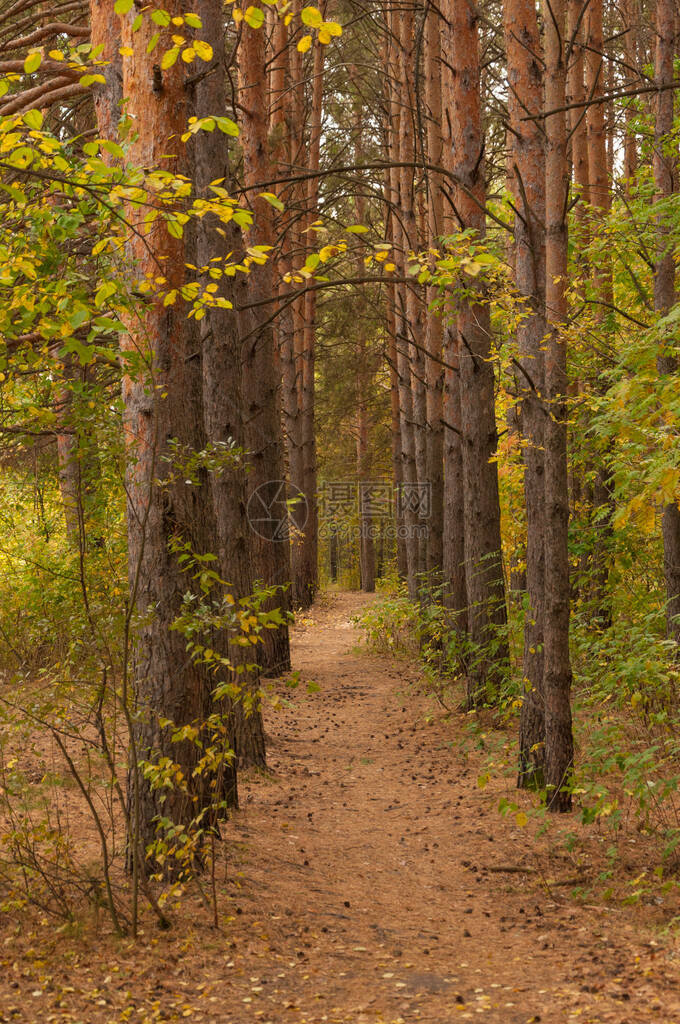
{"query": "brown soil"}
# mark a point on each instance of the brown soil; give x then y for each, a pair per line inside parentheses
(370, 880)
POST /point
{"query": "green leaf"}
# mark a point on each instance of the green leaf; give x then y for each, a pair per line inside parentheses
(273, 200)
(32, 62)
(104, 292)
(226, 125)
(254, 16)
(33, 119)
(113, 148)
(169, 58)
(161, 18)
(312, 17)
(123, 6)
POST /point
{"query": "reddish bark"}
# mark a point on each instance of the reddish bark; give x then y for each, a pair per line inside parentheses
(666, 182)
(409, 477)
(525, 81)
(487, 611)
(166, 683)
(559, 750)
(600, 205)
(261, 379)
(434, 371)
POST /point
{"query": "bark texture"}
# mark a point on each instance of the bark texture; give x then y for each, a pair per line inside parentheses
(220, 345)
(261, 379)
(525, 81)
(559, 750)
(665, 180)
(434, 327)
(163, 423)
(487, 613)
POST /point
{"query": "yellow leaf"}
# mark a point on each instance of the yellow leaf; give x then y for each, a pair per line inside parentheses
(304, 44)
(203, 50)
(521, 819)
(169, 58)
(32, 62)
(312, 17)
(254, 16)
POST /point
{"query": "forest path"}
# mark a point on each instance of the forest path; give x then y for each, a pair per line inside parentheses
(371, 863)
(366, 882)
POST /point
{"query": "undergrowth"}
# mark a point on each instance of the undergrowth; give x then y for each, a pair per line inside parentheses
(626, 719)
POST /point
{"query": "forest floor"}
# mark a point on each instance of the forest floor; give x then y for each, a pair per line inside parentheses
(370, 880)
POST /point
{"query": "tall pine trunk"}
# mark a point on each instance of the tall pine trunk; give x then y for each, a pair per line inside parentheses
(600, 204)
(525, 97)
(407, 508)
(559, 750)
(665, 180)
(219, 335)
(434, 328)
(487, 612)
(261, 380)
(164, 423)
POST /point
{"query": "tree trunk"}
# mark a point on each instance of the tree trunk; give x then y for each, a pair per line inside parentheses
(665, 180)
(483, 559)
(297, 358)
(600, 205)
(163, 424)
(559, 751)
(412, 320)
(408, 488)
(270, 549)
(309, 568)
(68, 458)
(578, 134)
(223, 403)
(455, 585)
(390, 319)
(630, 26)
(434, 327)
(525, 97)
(363, 380)
(105, 32)
(391, 331)
(366, 545)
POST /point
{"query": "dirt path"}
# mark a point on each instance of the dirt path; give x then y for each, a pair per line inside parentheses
(371, 864)
(361, 889)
